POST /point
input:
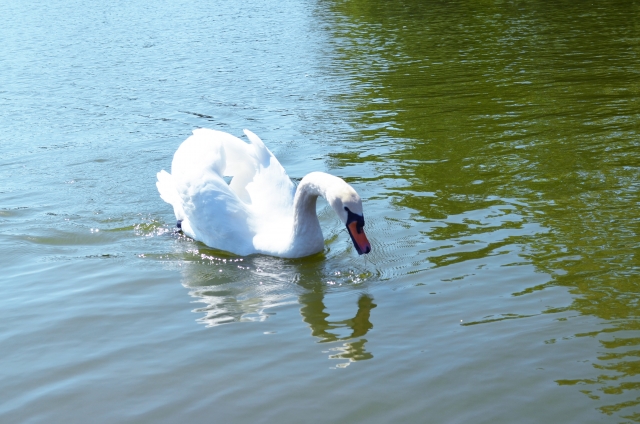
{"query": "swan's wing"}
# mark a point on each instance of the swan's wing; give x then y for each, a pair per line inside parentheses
(258, 178)
(271, 189)
(199, 155)
(211, 211)
(258, 200)
(224, 154)
(217, 217)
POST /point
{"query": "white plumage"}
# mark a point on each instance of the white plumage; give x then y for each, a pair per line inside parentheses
(259, 211)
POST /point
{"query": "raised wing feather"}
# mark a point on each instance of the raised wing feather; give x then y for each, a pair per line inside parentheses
(271, 190)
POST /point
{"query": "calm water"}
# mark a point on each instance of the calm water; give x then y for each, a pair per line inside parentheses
(497, 147)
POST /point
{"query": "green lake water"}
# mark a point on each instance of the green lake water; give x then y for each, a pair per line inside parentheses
(496, 146)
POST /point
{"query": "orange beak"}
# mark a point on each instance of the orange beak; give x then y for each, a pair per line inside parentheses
(359, 238)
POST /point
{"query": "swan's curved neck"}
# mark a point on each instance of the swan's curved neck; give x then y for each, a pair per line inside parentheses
(305, 219)
(304, 203)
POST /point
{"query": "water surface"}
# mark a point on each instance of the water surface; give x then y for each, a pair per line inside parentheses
(495, 145)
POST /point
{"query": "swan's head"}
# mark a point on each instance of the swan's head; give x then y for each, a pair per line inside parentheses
(348, 206)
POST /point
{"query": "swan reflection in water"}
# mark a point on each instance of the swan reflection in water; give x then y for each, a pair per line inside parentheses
(313, 313)
(234, 289)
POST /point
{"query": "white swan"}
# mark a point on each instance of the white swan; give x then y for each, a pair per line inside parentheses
(260, 210)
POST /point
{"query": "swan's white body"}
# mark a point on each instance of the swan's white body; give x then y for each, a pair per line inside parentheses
(260, 210)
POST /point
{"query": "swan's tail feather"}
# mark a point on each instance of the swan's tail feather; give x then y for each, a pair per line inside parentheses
(168, 193)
